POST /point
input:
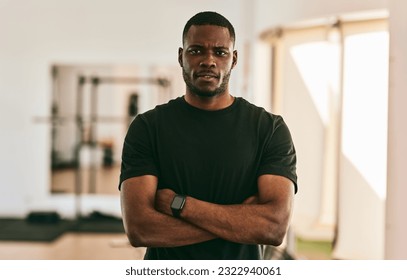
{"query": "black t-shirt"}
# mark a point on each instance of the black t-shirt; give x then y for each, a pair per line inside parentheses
(214, 156)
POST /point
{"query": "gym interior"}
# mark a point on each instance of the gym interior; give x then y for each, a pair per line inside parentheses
(74, 74)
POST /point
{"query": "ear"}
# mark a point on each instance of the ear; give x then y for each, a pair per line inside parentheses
(234, 61)
(180, 51)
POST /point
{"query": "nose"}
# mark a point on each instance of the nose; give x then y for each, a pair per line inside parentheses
(208, 60)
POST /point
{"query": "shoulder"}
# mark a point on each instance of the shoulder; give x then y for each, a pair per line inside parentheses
(170, 105)
(259, 113)
(149, 120)
(153, 114)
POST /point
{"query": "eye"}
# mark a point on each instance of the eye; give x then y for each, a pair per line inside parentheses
(221, 53)
(194, 51)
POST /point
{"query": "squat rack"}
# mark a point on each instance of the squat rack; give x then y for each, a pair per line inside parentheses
(95, 82)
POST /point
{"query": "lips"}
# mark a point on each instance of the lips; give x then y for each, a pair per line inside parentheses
(207, 75)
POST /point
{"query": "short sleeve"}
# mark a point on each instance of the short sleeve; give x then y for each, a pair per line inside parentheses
(137, 154)
(279, 156)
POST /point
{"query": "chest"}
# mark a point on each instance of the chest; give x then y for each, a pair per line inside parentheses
(213, 159)
(211, 143)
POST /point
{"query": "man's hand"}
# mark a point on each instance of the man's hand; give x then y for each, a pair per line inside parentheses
(254, 199)
(147, 226)
(163, 199)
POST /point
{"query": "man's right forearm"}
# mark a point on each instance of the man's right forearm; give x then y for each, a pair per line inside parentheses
(155, 229)
(146, 226)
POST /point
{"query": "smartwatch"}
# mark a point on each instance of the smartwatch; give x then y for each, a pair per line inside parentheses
(177, 205)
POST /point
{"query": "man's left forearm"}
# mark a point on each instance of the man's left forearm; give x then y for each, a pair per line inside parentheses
(241, 223)
(250, 223)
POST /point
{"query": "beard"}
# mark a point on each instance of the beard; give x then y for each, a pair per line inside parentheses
(206, 93)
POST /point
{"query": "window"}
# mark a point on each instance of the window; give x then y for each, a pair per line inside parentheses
(332, 91)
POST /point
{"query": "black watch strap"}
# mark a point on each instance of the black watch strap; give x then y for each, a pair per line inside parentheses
(177, 205)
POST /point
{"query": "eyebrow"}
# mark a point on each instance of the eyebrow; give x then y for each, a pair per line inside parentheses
(201, 46)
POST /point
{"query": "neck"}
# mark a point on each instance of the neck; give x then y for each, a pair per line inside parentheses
(209, 103)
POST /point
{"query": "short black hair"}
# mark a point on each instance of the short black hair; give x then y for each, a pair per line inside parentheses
(209, 18)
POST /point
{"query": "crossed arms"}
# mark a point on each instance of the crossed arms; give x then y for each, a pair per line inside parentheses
(260, 219)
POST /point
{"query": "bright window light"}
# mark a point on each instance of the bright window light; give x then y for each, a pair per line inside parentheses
(364, 137)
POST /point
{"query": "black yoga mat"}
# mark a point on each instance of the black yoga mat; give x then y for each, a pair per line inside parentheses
(47, 230)
(23, 230)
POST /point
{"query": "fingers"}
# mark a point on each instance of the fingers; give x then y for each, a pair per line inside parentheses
(251, 200)
(163, 199)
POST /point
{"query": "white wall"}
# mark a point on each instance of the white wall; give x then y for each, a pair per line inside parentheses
(396, 226)
(272, 13)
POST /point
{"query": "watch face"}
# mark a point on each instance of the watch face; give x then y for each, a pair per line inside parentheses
(177, 202)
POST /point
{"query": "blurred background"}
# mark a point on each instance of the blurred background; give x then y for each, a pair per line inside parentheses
(73, 74)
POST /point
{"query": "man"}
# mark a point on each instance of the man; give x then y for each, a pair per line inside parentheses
(207, 175)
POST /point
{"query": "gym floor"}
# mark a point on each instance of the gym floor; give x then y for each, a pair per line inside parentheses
(91, 246)
(73, 246)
